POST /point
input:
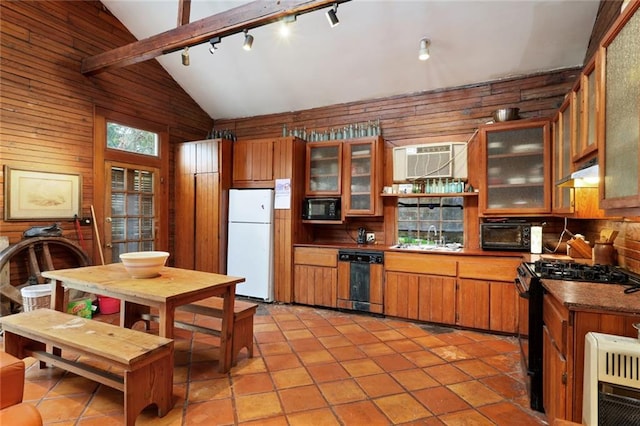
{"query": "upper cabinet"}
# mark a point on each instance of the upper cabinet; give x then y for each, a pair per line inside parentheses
(516, 168)
(350, 168)
(585, 107)
(253, 163)
(561, 142)
(619, 60)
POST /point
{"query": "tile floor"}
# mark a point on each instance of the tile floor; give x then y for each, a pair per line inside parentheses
(316, 367)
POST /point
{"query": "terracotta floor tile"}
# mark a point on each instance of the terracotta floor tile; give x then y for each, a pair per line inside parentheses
(506, 414)
(116, 419)
(34, 390)
(281, 317)
(387, 335)
(440, 400)
(393, 362)
(210, 412)
(476, 368)
(339, 320)
(475, 393)
(209, 389)
(350, 328)
(429, 342)
(303, 345)
(379, 385)
(414, 379)
(372, 325)
(423, 358)
(361, 413)
(361, 338)
(106, 401)
(454, 338)
(504, 363)
(249, 366)
(301, 398)
(327, 372)
(402, 408)
(361, 367)
(478, 349)
(324, 331)
(451, 353)
(279, 420)
(315, 322)
(506, 386)
(257, 406)
(252, 383)
(63, 408)
(502, 346)
(412, 332)
(377, 349)
(315, 357)
(297, 334)
(268, 336)
(447, 374)
(345, 353)
(466, 418)
(335, 341)
(73, 385)
(342, 391)
(403, 345)
(291, 325)
(291, 377)
(275, 348)
(281, 362)
(319, 417)
(205, 371)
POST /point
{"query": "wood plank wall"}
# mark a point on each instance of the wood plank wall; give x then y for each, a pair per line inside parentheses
(46, 116)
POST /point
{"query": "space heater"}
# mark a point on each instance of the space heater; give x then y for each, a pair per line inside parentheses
(611, 393)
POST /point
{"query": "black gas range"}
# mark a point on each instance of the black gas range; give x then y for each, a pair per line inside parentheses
(529, 285)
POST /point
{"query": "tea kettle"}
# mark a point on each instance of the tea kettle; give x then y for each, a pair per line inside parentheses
(362, 236)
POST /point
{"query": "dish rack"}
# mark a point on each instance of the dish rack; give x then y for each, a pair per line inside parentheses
(611, 393)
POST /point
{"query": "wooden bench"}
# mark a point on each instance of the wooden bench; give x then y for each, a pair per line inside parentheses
(243, 313)
(145, 359)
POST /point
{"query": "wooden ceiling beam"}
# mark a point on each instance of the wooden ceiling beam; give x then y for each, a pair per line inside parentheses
(247, 16)
(184, 12)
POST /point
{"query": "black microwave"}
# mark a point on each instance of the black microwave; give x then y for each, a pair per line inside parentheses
(327, 208)
(505, 236)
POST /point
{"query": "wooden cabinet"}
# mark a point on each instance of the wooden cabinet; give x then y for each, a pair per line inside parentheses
(563, 352)
(351, 169)
(316, 276)
(253, 163)
(516, 168)
(562, 166)
(202, 182)
(585, 100)
(554, 358)
(620, 112)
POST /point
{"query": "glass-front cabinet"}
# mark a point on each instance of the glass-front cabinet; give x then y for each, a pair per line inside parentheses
(561, 141)
(516, 176)
(361, 187)
(324, 168)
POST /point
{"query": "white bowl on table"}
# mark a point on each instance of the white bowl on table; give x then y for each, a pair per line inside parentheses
(144, 264)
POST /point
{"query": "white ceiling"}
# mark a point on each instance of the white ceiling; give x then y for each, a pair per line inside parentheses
(371, 54)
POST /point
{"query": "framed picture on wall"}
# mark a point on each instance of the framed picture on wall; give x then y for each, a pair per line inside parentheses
(34, 195)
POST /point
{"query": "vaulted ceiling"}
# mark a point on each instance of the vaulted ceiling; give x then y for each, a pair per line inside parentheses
(372, 53)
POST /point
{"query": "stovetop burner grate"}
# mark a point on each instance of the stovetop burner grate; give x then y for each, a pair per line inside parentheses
(572, 271)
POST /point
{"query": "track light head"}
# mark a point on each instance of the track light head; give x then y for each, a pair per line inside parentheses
(213, 42)
(285, 25)
(185, 56)
(248, 40)
(423, 53)
(332, 16)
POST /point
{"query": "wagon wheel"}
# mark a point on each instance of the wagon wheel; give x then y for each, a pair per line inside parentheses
(32, 256)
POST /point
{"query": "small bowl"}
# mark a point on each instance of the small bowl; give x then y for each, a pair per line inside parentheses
(144, 264)
(505, 114)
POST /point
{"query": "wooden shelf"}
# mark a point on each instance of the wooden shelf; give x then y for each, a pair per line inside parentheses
(444, 194)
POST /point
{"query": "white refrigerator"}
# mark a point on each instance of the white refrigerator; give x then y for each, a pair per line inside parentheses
(250, 247)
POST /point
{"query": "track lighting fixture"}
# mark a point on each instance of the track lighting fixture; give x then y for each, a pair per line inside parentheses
(423, 53)
(248, 40)
(285, 25)
(185, 56)
(213, 43)
(332, 16)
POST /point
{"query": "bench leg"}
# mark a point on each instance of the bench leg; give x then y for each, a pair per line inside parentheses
(17, 345)
(242, 336)
(150, 384)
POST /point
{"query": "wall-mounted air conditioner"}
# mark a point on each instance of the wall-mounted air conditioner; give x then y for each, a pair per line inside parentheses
(611, 390)
(427, 161)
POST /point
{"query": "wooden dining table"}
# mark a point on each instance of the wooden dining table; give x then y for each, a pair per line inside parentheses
(172, 288)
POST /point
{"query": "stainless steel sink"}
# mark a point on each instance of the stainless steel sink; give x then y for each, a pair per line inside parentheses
(451, 247)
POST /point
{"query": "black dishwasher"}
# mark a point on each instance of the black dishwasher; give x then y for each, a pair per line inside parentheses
(360, 277)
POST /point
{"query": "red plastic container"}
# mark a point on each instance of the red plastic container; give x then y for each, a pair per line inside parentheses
(108, 305)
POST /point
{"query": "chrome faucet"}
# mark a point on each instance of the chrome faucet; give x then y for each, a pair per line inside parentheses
(435, 233)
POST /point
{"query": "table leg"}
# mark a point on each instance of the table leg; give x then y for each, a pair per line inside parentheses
(166, 317)
(226, 333)
(57, 297)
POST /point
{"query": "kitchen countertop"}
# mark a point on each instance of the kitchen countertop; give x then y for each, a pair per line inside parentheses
(381, 247)
(584, 296)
